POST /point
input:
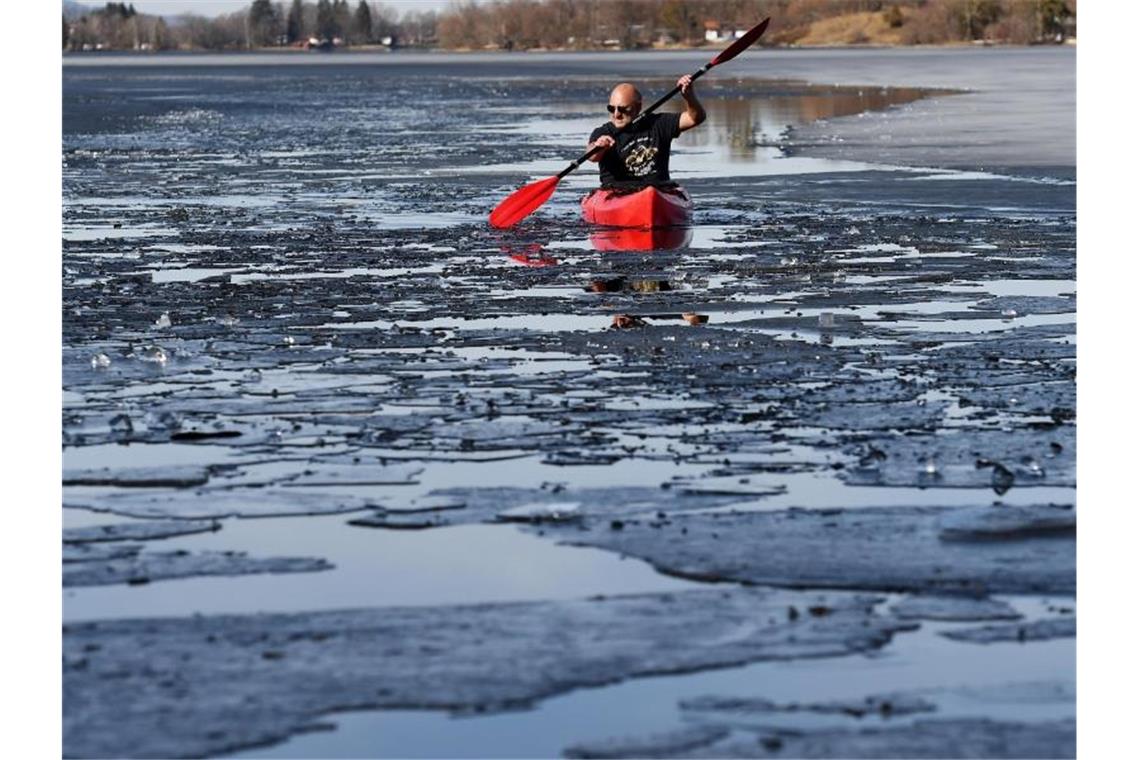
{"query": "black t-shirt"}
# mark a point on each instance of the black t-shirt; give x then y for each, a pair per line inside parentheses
(639, 156)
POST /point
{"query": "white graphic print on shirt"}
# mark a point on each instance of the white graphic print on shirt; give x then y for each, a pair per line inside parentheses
(639, 155)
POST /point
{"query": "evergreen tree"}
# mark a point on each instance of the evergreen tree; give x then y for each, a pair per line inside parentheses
(1053, 14)
(161, 35)
(362, 23)
(262, 23)
(326, 21)
(343, 15)
(293, 24)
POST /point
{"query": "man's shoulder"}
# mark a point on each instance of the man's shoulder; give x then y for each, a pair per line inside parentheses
(666, 122)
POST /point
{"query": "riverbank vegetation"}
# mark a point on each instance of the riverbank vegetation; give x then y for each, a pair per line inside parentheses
(573, 24)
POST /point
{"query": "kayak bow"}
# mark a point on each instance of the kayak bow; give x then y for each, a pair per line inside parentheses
(645, 208)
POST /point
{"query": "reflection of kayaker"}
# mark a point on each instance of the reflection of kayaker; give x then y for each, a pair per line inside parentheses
(633, 162)
(620, 283)
(648, 285)
(629, 321)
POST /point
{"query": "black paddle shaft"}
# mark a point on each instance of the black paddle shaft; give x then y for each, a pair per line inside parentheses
(660, 102)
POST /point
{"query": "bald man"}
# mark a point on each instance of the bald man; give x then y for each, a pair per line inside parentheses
(640, 157)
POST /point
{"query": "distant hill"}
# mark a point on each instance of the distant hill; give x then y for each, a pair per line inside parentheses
(72, 9)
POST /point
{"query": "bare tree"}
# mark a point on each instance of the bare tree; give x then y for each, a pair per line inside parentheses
(385, 21)
(419, 27)
(464, 25)
(528, 24)
(681, 20)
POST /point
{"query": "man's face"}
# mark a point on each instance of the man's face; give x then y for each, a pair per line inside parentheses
(623, 108)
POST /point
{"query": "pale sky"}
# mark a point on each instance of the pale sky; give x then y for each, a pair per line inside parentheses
(216, 7)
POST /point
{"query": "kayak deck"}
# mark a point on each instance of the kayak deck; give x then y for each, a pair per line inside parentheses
(645, 208)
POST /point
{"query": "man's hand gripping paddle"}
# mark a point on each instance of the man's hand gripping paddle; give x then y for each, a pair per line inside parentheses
(519, 204)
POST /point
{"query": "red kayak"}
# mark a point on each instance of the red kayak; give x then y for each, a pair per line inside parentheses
(648, 207)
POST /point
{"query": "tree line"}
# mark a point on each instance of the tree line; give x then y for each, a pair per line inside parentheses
(117, 26)
(566, 24)
(593, 24)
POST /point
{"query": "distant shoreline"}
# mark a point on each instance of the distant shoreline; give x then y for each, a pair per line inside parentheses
(360, 49)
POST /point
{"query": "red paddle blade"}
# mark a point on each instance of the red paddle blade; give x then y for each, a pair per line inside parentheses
(741, 44)
(518, 205)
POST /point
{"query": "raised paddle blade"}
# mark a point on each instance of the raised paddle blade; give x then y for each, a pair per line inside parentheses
(741, 44)
(518, 205)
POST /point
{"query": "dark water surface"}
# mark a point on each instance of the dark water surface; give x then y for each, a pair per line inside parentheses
(282, 300)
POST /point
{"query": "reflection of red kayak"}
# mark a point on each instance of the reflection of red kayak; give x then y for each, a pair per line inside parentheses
(653, 239)
(648, 207)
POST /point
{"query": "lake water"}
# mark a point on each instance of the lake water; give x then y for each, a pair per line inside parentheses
(313, 230)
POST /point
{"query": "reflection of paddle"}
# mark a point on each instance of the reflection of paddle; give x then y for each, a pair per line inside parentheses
(519, 204)
(531, 254)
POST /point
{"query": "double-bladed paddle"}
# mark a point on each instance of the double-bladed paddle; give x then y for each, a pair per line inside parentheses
(519, 204)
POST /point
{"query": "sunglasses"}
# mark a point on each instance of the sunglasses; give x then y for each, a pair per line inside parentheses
(623, 110)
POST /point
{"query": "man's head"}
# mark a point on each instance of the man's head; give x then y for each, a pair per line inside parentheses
(625, 104)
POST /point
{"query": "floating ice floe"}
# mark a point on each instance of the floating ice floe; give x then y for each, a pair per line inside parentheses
(1006, 522)
(563, 511)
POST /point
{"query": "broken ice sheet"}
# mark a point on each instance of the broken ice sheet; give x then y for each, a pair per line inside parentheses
(155, 566)
(929, 738)
(404, 521)
(1028, 304)
(1055, 398)
(138, 531)
(665, 744)
(965, 458)
(486, 503)
(580, 458)
(314, 474)
(99, 552)
(427, 503)
(1037, 630)
(219, 503)
(1006, 522)
(542, 512)
(138, 477)
(874, 416)
(312, 663)
(963, 608)
(728, 486)
(872, 548)
(900, 703)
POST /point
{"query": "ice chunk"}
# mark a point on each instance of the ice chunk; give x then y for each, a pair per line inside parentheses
(562, 511)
